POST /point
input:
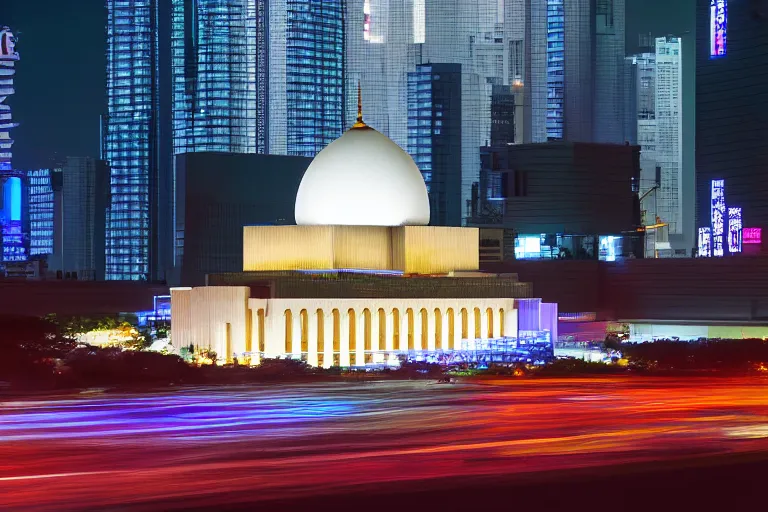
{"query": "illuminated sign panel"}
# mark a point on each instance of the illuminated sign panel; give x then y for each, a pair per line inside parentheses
(734, 230)
(718, 218)
(718, 27)
(752, 236)
(705, 242)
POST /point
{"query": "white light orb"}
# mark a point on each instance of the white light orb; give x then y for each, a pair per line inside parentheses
(362, 179)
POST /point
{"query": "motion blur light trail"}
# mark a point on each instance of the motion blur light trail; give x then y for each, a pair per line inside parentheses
(213, 445)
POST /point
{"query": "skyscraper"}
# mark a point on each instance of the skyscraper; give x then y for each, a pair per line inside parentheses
(669, 133)
(219, 75)
(132, 140)
(434, 137)
(14, 245)
(306, 75)
(575, 71)
(40, 200)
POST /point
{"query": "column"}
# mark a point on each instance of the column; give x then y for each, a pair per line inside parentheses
(360, 337)
(255, 356)
(484, 323)
(431, 329)
(296, 338)
(328, 338)
(344, 359)
(312, 358)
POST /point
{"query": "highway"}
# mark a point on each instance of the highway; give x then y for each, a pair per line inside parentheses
(211, 447)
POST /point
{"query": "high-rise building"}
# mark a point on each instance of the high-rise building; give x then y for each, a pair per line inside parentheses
(306, 75)
(434, 137)
(12, 237)
(731, 114)
(575, 71)
(81, 205)
(669, 133)
(138, 239)
(41, 184)
(8, 58)
(219, 67)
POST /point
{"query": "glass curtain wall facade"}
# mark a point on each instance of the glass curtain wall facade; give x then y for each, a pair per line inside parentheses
(314, 82)
(219, 75)
(131, 138)
(41, 211)
(555, 68)
(575, 72)
(434, 137)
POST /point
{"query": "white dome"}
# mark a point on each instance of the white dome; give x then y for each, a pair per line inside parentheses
(362, 179)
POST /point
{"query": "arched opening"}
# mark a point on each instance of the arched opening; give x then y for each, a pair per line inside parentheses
(367, 335)
(261, 328)
(451, 328)
(501, 322)
(336, 337)
(320, 337)
(464, 323)
(424, 329)
(382, 330)
(489, 320)
(304, 317)
(478, 329)
(288, 331)
(352, 337)
(409, 314)
(438, 329)
(395, 329)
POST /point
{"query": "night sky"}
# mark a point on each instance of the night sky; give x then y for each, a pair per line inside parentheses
(60, 78)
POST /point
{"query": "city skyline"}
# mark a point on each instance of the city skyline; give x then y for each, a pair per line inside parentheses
(61, 121)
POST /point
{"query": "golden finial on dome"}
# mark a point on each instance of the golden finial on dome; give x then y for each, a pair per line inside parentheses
(360, 124)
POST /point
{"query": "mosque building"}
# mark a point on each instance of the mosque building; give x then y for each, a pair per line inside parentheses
(362, 279)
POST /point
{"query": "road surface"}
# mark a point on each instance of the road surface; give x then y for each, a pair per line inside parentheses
(213, 447)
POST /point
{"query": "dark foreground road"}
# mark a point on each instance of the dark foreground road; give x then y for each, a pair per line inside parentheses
(577, 444)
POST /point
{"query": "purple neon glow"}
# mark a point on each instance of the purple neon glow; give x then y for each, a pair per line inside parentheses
(734, 230)
(718, 218)
(752, 236)
(718, 27)
(705, 242)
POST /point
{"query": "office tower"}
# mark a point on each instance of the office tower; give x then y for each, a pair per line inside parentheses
(41, 184)
(136, 139)
(575, 71)
(219, 68)
(306, 75)
(669, 133)
(81, 201)
(435, 136)
(731, 128)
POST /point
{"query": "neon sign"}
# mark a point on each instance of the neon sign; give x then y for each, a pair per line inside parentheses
(718, 27)
(734, 230)
(705, 242)
(752, 236)
(718, 218)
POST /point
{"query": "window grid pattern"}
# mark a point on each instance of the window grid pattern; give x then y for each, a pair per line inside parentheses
(219, 73)
(420, 112)
(41, 211)
(129, 139)
(555, 68)
(314, 74)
